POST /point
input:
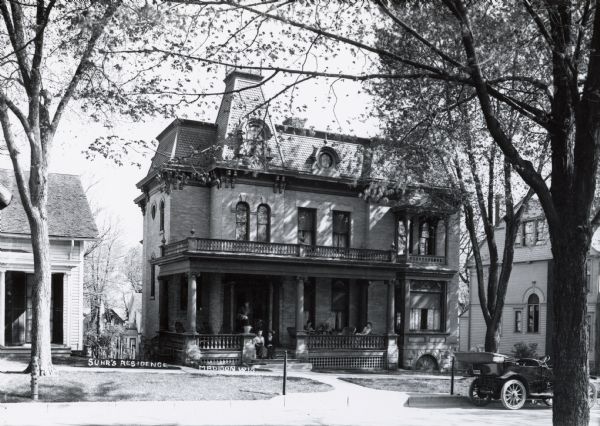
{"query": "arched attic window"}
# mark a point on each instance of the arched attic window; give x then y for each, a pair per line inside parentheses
(242, 221)
(263, 223)
(533, 314)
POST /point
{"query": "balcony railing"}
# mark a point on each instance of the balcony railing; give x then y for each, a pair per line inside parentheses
(206, 245)
(219, 341)
(356, 341)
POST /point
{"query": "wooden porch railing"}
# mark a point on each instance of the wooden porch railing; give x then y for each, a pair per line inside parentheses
(356, 341)
(219, 341)
(426, 259)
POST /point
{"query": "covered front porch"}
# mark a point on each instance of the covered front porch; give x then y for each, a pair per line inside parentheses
(316, 317)
(16, 311)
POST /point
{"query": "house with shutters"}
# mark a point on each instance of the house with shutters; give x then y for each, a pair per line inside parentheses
(251, 225)
(70, 226)
(527, 313)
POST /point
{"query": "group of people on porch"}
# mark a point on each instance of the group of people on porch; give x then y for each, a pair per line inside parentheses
(264, 341)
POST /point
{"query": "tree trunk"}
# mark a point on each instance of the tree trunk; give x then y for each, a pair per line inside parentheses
(40, 330)
(570, 340)
(492, 336)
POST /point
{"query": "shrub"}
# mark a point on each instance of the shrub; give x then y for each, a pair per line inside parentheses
(524, 350)
(193, 355)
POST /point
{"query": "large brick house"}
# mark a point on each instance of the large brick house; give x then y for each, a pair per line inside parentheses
(527, 309)
(70, 225)
(269, 231)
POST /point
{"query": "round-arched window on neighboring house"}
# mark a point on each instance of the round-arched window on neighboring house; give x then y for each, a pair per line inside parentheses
(153, 211)
(533, 313)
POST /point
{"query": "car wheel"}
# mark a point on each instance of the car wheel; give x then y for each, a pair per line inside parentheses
(592, 394)
(475, 397)
(513, 394)
(548, 401)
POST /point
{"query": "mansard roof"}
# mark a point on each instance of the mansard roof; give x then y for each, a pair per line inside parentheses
(69, 214)
(287, 148)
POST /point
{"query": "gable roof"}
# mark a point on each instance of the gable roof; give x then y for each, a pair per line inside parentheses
(69, 213)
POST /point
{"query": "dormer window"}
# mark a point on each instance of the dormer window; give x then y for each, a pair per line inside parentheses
(325, 160)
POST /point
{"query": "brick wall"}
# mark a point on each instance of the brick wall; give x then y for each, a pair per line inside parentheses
(192, 205)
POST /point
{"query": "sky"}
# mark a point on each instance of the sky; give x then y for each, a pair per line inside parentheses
(111, 189)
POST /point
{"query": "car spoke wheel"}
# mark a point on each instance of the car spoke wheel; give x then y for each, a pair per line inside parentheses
(513, 394)
(475, 396)
(592, 395)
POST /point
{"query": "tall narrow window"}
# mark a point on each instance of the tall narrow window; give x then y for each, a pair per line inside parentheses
(242, 219)
(263, 223)
(152, 281)
(427, 237)
(341, 229)
(541, 232)
(533, 314)
(307, 219)
(530, 233)
(401, 237)
(518, 321)
(161, 215)
(426, 306)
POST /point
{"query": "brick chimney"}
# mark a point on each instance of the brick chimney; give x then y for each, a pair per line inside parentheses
(238, 103)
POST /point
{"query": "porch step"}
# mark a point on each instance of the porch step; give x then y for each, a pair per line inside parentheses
(277, 365)
(24, 352)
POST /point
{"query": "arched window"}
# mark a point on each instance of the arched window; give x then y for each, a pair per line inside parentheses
(263, 223)
(533, 314)
(161, 215)
(242, 220)
(427, 233)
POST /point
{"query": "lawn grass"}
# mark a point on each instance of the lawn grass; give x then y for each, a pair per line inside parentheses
(415, 385)
(72, 386)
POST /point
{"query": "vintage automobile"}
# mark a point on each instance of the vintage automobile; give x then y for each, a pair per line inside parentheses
(512, 381)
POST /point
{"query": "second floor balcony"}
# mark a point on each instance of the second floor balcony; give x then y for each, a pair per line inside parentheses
(198, 246)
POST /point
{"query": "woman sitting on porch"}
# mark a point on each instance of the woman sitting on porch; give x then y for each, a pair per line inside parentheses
(367, 330)
(259, 344)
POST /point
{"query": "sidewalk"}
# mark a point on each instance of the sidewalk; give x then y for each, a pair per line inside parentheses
(347, 404)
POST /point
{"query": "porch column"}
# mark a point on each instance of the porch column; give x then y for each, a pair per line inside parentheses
(392, 344)
(301, 347)
(191, 303)
(2, 305)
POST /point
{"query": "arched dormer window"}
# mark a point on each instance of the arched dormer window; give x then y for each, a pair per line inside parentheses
(242, 221)
(533, 314)
(263, 223)
(327, 158)
(161, 215)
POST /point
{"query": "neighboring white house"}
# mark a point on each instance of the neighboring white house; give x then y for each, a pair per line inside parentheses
(525, 317)
(70, 224)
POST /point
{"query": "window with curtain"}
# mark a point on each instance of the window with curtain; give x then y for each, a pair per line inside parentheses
(529, 233)
(242, 220)
(341, 229)
(401, 237)
(533, 314)
(427, 237)
(307, 219)
(263, 223)
(426, 306)
(518, 321)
